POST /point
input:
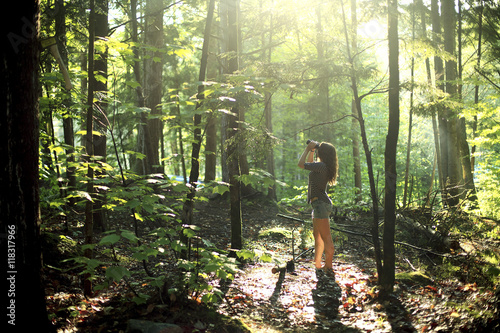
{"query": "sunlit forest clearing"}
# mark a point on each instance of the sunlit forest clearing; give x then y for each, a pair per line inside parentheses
(151, 175)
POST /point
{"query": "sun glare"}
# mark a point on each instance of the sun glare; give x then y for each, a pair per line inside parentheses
(372, 29)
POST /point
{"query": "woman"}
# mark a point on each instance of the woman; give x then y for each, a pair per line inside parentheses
(323, 173)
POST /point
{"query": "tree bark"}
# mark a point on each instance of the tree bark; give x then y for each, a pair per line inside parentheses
(233, 129)
(140, 165)
(463, 146)
(441, 115)
(187, 216)
(354, 123)
(366, 148)
(210, 150)
(153, 83)
(89, 207)
(23, 302)
(386, 279)
(69, 137)
(407, 198)
(476, 88)
(449, 26)
(100, 111)
(437, 153)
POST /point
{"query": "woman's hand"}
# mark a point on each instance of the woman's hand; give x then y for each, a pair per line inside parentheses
(312, 145)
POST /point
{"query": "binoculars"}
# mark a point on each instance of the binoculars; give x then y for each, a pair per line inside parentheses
(317, 144)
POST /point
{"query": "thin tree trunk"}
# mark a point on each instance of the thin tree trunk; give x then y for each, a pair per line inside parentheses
(368, 154)
(463, 146)
(410, 117)
(140, 164)
(233, 129)
(386, 280)
(354, 123)
(153, 83)
(441, 114)
(89, 218)
(476, 88)
(69, 138)
(210, 150)
(224, 120)
(187, 216)
(101, 122)
(449, 26)
(437, 154)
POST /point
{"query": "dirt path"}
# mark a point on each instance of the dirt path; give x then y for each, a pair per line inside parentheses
(302, 301)
(299, 301)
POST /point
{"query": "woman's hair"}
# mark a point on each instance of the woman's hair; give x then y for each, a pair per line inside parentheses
(328, 155)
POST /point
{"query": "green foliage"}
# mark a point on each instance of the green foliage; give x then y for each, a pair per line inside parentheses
(290, 72)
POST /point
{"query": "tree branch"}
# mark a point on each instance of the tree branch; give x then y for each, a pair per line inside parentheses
(327, 123)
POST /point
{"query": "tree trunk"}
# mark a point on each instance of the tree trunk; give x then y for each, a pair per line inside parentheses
(139, 164)
(449, 26)
(69, 138)
(367, 150)
(437, 153)
(100, 114)
(268, 100)
(233, 150)
(89, 216)
(24, 296)
(153, 83)
(210, 150)
(476, 88)
(441, 115)
(387, 276)
(187, 215)
(354, 123)
(224, 119)
(407, 198)
(463, 146)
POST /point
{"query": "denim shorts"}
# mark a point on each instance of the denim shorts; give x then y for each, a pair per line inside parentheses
(321, 209)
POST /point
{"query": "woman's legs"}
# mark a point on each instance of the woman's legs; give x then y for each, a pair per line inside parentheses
(323, 242)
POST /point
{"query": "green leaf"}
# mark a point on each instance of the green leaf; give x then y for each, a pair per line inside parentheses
(220, 189)
(494, 271)
(117, 273)
(133, 203)
(211, 267)
(130, 236)
(189, 233)
(110, 239)
(138, 216)
(246, 254)
(84, 132)
(100, 78)
(141, 299)
(266, 258)
(132, 84)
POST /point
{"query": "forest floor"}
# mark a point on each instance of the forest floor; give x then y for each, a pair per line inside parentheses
(302, 300)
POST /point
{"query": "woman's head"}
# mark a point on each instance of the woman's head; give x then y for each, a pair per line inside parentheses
(328, 155)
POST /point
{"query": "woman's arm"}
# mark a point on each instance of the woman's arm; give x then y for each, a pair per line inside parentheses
(306, 154)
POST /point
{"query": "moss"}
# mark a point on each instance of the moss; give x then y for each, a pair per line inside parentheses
(413, 278)
(275, 233)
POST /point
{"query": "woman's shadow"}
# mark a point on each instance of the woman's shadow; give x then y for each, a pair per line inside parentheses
(327, 298)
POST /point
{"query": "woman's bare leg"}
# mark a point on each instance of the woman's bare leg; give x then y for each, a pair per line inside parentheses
(323, 242)
(319, 245)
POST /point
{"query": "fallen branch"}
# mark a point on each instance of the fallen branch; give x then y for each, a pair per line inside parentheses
(369, 236)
